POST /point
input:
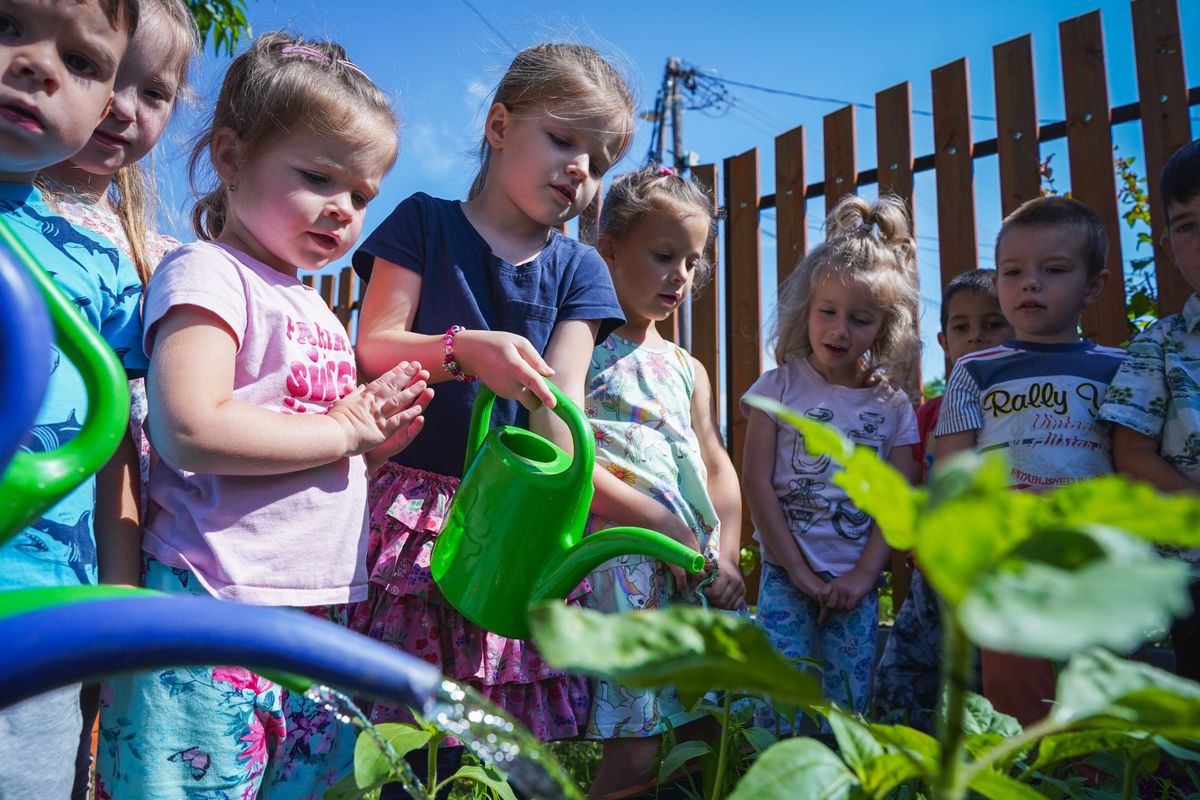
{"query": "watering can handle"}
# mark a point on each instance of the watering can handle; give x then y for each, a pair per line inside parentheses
(34, 482)
(567, 411)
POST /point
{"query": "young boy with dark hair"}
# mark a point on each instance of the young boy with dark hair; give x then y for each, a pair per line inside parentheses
(907, 679)
(59, 60)
(1154, 400)
(1036, 397)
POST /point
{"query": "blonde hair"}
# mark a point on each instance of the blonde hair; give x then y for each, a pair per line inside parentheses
(135, 198)
(567, 82)
(872, 244)
(268, 94)
(636, 194)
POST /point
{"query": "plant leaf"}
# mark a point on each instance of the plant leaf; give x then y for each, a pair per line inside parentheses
(857, 747)
(996, 786)
(689, 648)
(372, 767)
(1100, 690)
(797, 769)
(981, 717)
(1063, 591)
(1060, 747)
(1136, 508)
(759, 738)
(486, 776)
(681, 754)
(883, 774)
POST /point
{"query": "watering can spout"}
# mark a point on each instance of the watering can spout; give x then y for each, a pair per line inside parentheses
(568, 569)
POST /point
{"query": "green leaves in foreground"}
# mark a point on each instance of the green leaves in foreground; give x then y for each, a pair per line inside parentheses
(694, 650)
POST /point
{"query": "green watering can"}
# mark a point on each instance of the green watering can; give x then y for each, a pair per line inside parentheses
(514, 533)
(33, 482)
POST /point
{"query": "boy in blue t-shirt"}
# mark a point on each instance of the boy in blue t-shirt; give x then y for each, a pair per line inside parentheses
(1154, 400)
(1036, 397)
(59, 61)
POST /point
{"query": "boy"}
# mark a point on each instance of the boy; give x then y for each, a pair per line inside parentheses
(1036, 397)
(59, 60)
(907, 679)
(1155, 397)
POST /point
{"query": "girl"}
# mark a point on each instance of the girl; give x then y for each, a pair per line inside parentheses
(650, 404)
(260, 491)
(493, 292)
(846, 345)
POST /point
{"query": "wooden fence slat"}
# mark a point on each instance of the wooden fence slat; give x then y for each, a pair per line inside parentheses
(841, 165)
(743, 313)
(791, 235)
(346, 281)
(1162, 89)
(706, 344)
(957, 245)
(326, 290)
(307, 280)
(1016, 123)
(1089, 147)
(893, 137)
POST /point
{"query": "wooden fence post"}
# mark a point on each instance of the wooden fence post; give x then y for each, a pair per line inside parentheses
(706, 346)
(1090, 147)
(1016, 124)
(841, 162)
(957, 246)
(893, 144)
(791, 235)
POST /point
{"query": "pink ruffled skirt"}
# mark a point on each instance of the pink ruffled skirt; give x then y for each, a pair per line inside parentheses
(405, 609)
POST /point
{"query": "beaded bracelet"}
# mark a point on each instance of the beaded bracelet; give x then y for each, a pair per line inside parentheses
(449, 363)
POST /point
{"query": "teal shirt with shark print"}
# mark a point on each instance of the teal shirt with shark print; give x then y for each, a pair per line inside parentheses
(59, 549)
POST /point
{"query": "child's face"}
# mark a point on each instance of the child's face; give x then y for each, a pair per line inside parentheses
(549, 168)
(974, 322)
(58, 62)
(654, 265)
(1042, 282)
(1184, 239)
(843, 322)
(143, 98)
(299, 201)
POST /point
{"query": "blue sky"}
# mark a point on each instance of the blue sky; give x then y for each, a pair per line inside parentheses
(439, 61)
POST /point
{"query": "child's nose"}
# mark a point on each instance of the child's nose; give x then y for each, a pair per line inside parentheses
(124, 104)
(37, 61)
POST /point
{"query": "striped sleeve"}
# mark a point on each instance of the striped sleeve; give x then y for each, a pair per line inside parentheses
(961, 410)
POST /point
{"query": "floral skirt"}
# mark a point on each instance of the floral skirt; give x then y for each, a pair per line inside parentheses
(405, 609)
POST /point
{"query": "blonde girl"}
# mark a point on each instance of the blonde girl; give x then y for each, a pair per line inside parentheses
(264, 436)
(651, 408)
(846, 345)
(490, 292)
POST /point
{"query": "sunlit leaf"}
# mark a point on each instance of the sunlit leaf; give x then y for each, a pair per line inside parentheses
(488, 777)
(1059, 747)
(1136, 508)
(857, 747)
(1100, 690)
(995, 786)
(797, 769)
(694, 650)
(372, 765)
(681, 754)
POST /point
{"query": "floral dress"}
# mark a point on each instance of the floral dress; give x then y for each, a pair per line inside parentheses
(639, 401)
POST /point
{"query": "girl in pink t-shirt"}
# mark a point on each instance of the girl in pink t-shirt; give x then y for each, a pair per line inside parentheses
(847, 346)
(265, 438)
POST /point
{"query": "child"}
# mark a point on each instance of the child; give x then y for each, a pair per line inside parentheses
(491, 290)
(259, 494)
(59, 61)
(845, 337)
(1036, 397)
(907, 679)
(1154, 399)
(650, 404)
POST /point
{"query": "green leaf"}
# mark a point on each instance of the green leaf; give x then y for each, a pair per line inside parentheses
(486, 776)
(1063, 591)
(900, 738)
(871, 483)
(1059, 747)
(689, 648)
(857, 747)
(981, 717)
(681, 754)
(1137, 508)
(1100, 690)
(797, 769)
(886, 772)
(759, 738)
(995, 786)
(372, 766)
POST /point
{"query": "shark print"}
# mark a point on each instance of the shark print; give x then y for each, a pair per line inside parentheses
(77, 540)
(62, 234)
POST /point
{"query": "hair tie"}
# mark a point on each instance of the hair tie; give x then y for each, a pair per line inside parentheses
(662, 171)
(304, 50)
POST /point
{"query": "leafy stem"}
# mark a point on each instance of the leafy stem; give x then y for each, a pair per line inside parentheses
(956, 661)
(718, 789)
(1016, 744)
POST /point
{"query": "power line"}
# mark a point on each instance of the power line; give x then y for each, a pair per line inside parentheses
(490, 26)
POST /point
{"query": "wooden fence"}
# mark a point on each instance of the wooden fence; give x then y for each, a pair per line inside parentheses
(1162, 109)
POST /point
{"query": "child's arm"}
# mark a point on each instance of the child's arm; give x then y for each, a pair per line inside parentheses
(118, 517)
(1137, 455)
(955, 443)
(506, 363)
(758, 468)
(568, 353)
(728, 590)
(197, 425)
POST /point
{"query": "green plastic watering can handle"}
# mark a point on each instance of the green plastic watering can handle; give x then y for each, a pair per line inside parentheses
(34, 482)
(567, 411)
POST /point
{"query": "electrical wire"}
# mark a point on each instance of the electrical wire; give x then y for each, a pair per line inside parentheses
(490, 26)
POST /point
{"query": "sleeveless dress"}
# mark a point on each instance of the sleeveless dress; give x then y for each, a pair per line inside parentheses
(639, 401)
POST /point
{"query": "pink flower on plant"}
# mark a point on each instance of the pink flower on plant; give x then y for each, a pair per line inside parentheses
(240, 679)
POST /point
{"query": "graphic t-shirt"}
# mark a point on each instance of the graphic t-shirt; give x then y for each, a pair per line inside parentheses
(1037, 404)
(830, 530)
(59, 549)
(296, 539)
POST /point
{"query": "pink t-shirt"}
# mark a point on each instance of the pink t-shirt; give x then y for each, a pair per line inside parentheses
(830, 530)
(297, 539)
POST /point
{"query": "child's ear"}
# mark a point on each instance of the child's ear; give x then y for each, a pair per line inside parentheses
(944, 343)
(1095, 287)
(226, 153)
(496, 125)
(606, 246)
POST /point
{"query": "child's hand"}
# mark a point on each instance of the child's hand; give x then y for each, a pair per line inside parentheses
(844, 593)
(728, 590)
(386, 411)
(507, 364)
(808, 583)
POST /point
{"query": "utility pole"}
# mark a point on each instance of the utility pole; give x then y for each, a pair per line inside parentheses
(675, 103)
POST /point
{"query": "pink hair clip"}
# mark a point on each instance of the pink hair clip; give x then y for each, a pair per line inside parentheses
(665, 171)
(304, 50)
